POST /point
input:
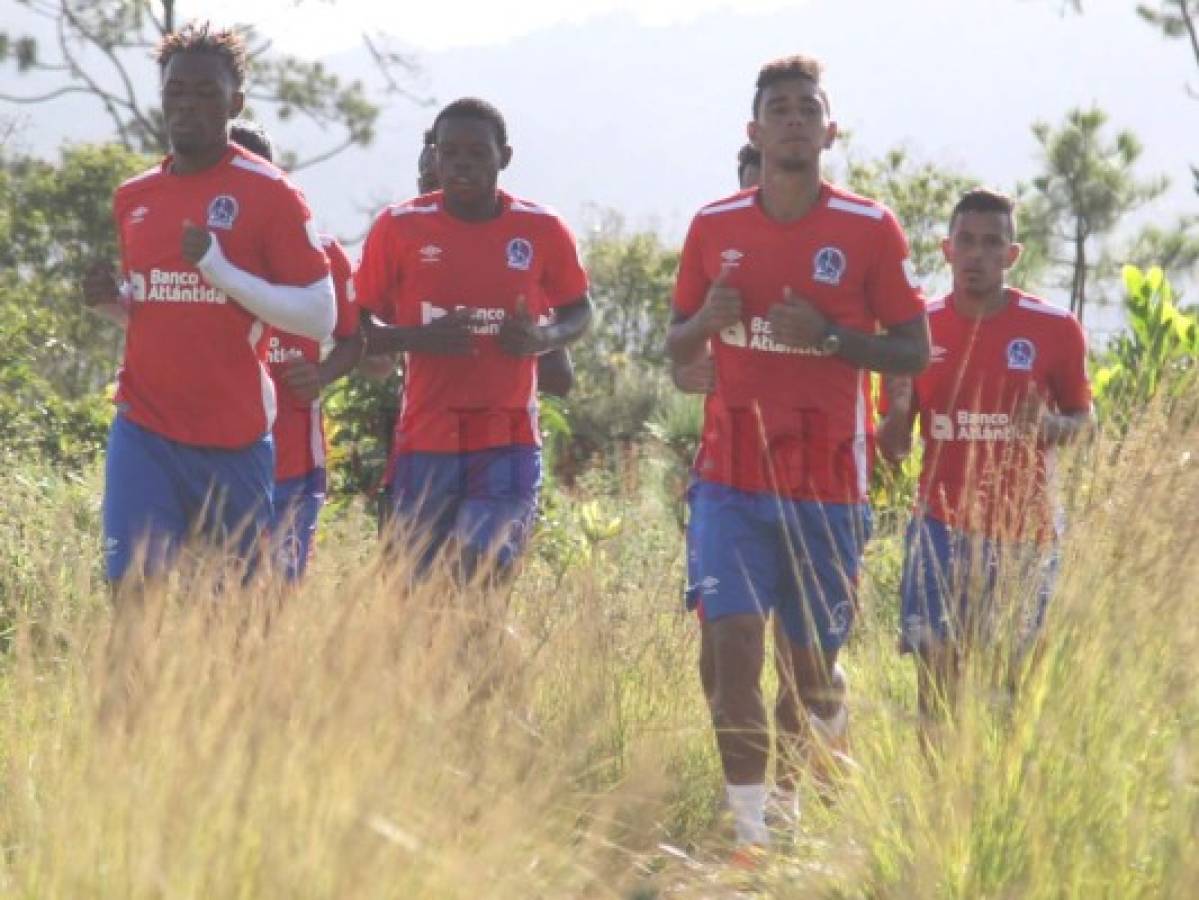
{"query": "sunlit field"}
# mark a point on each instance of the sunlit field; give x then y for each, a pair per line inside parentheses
(357, 739)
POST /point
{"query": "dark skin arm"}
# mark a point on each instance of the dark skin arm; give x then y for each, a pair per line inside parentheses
(307, 379)
(521, 336)
(555, 373)
(902, 349)
(447, 336)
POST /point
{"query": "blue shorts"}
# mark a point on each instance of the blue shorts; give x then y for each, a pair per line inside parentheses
(157, 492)
(958, 585)
(757, 552)
(298, 503)
(484, 500)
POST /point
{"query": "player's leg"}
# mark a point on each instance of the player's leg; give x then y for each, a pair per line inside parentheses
(297, 506)
(933, 591)
(825, 542)
(234, 490)
(427, 490)
(143, 514)
(496, 518)
(734, 580)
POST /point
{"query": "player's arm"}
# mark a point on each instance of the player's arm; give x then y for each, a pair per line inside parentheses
(902, 349)
(102, 294)
(448, 336)
(555, 373)
(520, 335)
(703, 307)
(1069, 390)
(899, 405)
(307, 310)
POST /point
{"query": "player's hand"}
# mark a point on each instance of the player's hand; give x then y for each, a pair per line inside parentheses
(448, 336)
(698, 377)
(519, 334)
(795, 322)
(196, 242)
(1030, 416)
(303, 378)
(722, 305)
(100, 285)
(894, 435)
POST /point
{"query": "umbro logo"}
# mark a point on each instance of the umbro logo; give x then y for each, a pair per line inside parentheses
(732, 256)
(938, 354)
(430, 253)
(138, 215)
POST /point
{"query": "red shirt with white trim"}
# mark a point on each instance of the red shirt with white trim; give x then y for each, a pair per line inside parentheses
(299, 430)
(419, 263)
(195, 360)
(978, 474)
(783, 420)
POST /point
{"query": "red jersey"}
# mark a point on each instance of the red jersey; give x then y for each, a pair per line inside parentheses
(194, 368)
(419, 263)
(299, 428)
(784, 420)
(978, 474)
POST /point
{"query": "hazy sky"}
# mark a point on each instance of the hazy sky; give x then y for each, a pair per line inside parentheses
(310, 30)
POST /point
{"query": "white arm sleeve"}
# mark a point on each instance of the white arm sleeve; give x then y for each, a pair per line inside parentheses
(309, 311)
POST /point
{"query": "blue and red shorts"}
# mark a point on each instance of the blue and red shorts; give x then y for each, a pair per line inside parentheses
(756, 553)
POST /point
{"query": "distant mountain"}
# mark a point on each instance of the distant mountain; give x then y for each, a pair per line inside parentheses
(647, 120)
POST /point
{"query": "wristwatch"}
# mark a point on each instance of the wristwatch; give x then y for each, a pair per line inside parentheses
(830, 344)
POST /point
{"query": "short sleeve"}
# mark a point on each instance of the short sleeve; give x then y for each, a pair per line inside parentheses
(563, 279)
(378, 275)
(347, 310)
(892, 291)
(1068, 384)
(293, 249)
(691, 286)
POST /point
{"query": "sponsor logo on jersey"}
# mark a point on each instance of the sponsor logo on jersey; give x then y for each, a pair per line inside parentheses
(965, 425)
(1021, 353)
(731, 257)
(278, 354)
(828, 265)
(222, 212)
(430, 253)
(759, 337)
(484, 320)
(138, 215)
(937, 354)
(167, 286)
(520, 254)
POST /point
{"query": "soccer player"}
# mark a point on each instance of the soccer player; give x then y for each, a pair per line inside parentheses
(217, 246)
(749, 167)
(555, 371)
(300, 375)
(460, 277)
(1006, 386)
(797, 288)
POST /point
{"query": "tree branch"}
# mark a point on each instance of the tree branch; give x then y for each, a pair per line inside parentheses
(321, 157)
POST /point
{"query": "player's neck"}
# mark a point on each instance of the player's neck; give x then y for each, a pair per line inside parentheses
(190, 163)
(788, 196)
(481, 210)
(980, 305)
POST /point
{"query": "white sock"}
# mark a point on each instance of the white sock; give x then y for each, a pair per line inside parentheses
(831, 728)
(748, 805)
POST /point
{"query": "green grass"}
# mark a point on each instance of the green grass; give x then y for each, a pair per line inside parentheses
(354, 740)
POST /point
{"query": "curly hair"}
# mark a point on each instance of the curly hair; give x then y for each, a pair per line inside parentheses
(201, 37)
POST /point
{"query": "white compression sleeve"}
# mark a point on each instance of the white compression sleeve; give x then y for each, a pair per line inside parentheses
(309, 311)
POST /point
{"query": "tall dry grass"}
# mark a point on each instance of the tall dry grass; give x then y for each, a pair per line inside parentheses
(357, 739)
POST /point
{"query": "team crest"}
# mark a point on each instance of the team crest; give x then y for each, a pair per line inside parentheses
(1020, 355)
(222, 212)
(828, 266)
(520, 254)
